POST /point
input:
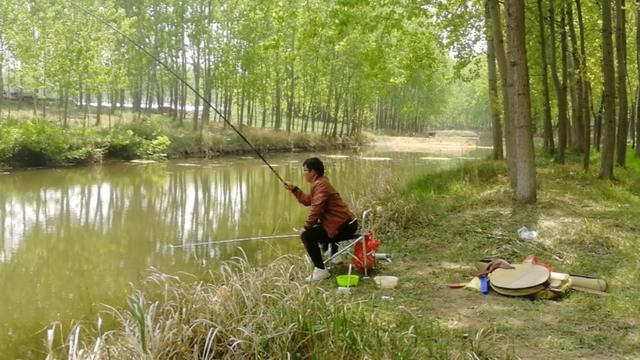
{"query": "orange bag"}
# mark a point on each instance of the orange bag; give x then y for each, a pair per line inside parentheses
(372, 244)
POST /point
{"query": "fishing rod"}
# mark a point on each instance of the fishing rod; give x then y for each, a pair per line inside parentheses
(184, 82)
(235, 240)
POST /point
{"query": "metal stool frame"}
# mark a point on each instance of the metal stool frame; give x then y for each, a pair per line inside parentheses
(359, 237)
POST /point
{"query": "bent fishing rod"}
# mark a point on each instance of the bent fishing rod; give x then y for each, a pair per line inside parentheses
(184, 82)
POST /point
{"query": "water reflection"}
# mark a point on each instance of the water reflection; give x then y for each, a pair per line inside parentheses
(73, 239)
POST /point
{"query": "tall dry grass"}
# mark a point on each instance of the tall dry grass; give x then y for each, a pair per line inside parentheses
(256, 313)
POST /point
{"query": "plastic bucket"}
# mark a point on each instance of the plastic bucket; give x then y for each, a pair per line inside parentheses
(347, 280)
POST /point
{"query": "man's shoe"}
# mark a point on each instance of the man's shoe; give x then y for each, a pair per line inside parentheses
(318, 274)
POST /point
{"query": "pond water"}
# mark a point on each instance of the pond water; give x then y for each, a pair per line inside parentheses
(72, 240)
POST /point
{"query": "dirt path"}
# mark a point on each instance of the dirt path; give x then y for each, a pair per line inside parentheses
(442, 142)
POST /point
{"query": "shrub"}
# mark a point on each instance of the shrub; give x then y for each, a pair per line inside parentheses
(9, 138)
(41, 143)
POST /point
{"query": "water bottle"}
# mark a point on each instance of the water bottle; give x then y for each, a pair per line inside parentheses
(484, 284)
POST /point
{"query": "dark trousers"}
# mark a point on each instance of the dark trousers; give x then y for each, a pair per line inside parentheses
(317, 236)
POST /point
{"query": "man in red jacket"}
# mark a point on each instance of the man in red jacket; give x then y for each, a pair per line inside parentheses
(329, 220)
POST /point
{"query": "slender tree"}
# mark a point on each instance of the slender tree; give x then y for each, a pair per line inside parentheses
(549, 146)
(609, 118)
(559, 84)
(621, 57)
(505, 82)
(494, 106)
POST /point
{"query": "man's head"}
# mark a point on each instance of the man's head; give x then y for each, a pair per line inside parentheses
(313, 168)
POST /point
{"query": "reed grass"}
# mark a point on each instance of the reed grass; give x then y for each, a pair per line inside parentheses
(246, 312)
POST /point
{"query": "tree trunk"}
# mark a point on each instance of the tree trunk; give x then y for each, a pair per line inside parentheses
(99, 108)
(621, 55)
(494, 105)
(505, 83)
(597, 125)
(549, 146)
(278, 99)
(526, 171)
(609, 126)
(578, 105)
(558, 85)
(196, 84)
(292, 84)
(637, 122)
(66, 107)
(1, 75)
(586, 90)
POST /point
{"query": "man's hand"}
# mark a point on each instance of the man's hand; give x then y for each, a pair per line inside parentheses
(289, 185)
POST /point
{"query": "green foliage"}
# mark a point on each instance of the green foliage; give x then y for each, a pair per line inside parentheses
(36, 143)
(124, 144)
(9, 138)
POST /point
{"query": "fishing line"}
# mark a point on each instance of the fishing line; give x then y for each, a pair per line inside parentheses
(236, 240)
(184, 82)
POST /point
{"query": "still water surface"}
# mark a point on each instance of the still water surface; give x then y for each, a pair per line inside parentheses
(74, 239)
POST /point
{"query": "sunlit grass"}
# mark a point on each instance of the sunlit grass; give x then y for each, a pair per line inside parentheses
(586, 225)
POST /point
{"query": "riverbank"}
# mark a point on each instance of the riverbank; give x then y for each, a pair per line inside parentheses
(436, 227)
(34, 142)
(439, 226)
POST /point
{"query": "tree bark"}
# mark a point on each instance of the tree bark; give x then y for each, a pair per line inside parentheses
(496, 124)
(609, 120)
(526, 171)
(505, 83)
(637, 121)
(578, 105)
(99, 108)
(560, 87)
(549, 146)
(621, 55)
(586, 91)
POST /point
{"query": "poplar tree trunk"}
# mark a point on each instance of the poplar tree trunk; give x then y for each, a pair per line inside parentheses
(560, 89)
(586, 91)
(196, 84)
(292, 85)
(99, 108)
(496, 124)
(578, 95)
(1, 76)
(505, 83)
(621, 55)
(563, 123)
(526, 171)
(637, 141)
(609, 118)
(549, 146)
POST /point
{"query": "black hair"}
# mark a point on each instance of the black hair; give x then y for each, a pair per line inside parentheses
(314, 164)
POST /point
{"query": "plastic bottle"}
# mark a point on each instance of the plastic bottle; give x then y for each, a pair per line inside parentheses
(484, 284)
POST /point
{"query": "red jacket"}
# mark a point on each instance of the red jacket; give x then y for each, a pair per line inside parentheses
(326, 206)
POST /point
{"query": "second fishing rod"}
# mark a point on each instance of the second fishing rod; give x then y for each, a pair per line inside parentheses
(182, 81)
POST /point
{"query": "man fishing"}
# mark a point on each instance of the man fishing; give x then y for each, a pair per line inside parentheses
(329, 220)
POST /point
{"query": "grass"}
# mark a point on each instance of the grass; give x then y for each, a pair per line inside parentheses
(246, 312)
(440, 225)
(437, 227)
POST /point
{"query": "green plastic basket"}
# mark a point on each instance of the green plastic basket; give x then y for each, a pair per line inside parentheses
(347, 280)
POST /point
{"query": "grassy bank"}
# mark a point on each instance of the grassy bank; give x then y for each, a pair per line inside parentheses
(35, 142)
(441, 225)
(437, 228)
